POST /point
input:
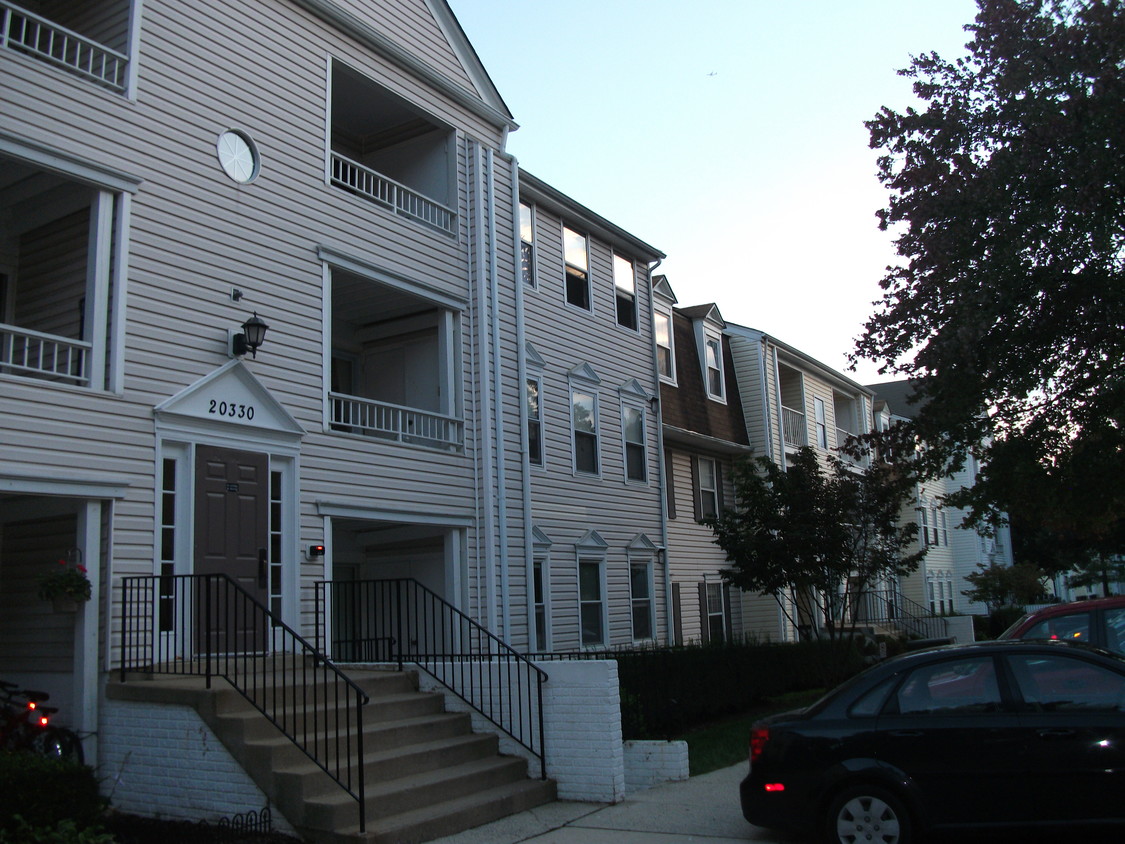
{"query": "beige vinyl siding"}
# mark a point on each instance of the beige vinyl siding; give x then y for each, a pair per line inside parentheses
(565, 505)
(195, 235)
(748, 365)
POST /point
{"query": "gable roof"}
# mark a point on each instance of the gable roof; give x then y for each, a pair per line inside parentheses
(896, 395)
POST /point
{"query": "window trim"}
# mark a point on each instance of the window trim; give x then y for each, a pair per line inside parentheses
(618, 290)
(820, 422)
(698, 489)
(541, 584)
(542, 461)
(598, 559)
(710, 336)
(584, 271)
(649, 600)
(665, 311)
(592, 392)
(530, 280)
(626, 408)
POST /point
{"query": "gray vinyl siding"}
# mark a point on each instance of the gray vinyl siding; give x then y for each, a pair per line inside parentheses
(748, 366)
(195, 235)
(55, 256)
(566, 505)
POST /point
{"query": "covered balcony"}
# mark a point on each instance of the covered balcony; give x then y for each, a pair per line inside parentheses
(56, 277)
(89, 38)
(848, 416)
(390, 153)
(794, 426)
(393, 365)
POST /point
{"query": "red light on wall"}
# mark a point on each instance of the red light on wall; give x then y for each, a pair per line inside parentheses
(775, 786)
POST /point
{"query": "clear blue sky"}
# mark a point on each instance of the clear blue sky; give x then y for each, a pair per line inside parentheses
(727, 133)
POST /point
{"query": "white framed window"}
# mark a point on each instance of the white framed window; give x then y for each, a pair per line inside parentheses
(540, 581)
(713, 608)
(533, 408)
(713, 365)
(591, 600)
(820, 418)
(584, 424)
(944, 528)
(625, 286)
(633, 429)
(527, 244)
(640, 590)
(576, 258)
(665, 347)
(706, 487)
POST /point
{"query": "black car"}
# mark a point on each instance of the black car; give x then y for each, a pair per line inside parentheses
(1006, 733)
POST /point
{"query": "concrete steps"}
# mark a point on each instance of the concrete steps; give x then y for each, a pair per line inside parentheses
(426, 773)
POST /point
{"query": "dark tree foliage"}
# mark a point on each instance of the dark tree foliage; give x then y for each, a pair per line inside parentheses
(998, 585)
(821, 537)
(1007, 199)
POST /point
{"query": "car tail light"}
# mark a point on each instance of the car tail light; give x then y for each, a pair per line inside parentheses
(758, 738)
(775, 786)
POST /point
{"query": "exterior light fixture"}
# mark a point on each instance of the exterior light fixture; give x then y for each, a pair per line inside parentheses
(252, 336)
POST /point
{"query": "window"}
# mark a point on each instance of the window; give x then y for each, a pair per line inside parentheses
(540, 604)
(576, 256)
(584, 417)
(624, 281)
(665, 358)
(640, 583)
(1057, 683)
(275, 560)
(821, 423)
(924, 524)
(669, 485)
(714, 606)
(707, 487)
(634, 425)
(944, 528)
(591, 607)
(527, 244)
(534, 423)
(961, 687)
(167, 600)
(1075, 627)
(713, 350)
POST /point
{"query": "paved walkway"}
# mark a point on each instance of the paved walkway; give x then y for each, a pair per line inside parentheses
(702, 809)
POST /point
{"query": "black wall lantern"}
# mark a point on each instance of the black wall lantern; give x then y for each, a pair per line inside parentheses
(252, 336)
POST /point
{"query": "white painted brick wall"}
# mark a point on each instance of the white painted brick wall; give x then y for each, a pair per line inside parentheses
(649, 763)
(159, 760)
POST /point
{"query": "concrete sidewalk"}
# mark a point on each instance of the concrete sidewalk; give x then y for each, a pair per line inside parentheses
(702, 809)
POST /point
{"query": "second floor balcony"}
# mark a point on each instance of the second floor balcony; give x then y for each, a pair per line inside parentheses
(88, 38)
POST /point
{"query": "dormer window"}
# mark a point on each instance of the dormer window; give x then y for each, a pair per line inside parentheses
(665, 350)
(713, 365)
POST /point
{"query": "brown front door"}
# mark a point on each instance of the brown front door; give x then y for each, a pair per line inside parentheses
(231, 536)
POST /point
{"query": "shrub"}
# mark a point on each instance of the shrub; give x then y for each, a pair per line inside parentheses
(37, 792)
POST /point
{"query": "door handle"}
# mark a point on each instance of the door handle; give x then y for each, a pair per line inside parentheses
(263, 569)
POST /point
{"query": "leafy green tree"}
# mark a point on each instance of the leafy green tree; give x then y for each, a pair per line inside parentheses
(997, 585)
(1096, 570)
(1007, 201)
(816, 539)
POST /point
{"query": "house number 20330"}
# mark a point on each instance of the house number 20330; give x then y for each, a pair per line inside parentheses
(230, 410)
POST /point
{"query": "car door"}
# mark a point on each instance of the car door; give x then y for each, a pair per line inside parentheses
(949, 730)
(1074, 717)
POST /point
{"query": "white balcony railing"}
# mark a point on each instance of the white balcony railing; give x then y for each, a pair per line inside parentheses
(793, 427)
(32, 353)
(399, 198)
(27, 32)
(390, 421)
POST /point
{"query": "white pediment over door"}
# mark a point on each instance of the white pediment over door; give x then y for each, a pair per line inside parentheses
(232, 401)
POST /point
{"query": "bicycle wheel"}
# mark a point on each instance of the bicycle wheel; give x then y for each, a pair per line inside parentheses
(58, 743)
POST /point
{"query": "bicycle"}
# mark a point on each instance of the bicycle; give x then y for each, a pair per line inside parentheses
(25, 725)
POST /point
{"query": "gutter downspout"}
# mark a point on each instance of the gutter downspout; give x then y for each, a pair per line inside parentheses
(780, 419)
(485, 365)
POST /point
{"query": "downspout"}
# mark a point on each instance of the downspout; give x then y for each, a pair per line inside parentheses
(780, 412)
(485, 414)
(669, 633)
(498, 398)
(525, 462)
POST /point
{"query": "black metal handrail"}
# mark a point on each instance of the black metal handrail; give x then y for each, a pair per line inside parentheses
(891, 608)
(208, 625)
(401, 621)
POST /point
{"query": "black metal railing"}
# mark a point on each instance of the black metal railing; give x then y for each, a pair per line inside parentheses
(401, 621)
(208, 625)
(890, 608)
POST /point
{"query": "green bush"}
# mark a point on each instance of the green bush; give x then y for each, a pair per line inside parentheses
(63, 832)
(38, 793)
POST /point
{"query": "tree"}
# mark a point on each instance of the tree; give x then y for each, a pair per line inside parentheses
(998, 585)
(1007, 200)
(1098, 570)
(815, 540)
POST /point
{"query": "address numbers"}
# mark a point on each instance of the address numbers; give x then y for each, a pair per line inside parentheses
(230, 410)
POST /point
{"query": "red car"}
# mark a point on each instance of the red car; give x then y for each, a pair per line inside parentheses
(1100, 622)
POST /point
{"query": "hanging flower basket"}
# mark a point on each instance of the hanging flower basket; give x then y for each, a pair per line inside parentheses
(66, 585)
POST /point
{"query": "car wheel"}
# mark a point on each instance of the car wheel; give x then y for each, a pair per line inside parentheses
(868, 813)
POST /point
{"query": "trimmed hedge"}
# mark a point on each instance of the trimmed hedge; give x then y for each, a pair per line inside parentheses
(666, 692)
(45, 791)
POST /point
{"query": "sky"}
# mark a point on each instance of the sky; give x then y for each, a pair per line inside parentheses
(726, 133)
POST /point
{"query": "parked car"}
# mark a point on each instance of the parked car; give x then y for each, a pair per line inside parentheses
(1005, 733)
(1100, 622)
